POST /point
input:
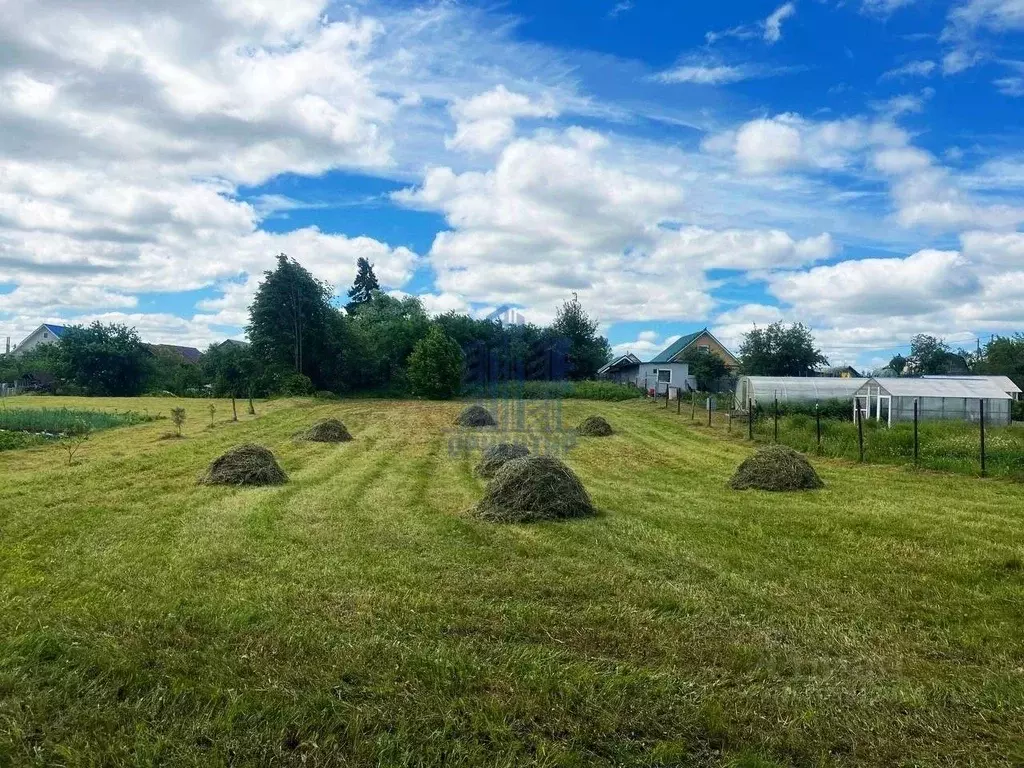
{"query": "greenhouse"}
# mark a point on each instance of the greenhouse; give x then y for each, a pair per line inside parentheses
(893, 400)
(763, 390)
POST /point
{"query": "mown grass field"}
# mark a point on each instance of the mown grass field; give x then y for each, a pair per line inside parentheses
(357, 616)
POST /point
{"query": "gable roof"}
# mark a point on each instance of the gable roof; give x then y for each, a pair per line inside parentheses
(56, 330)
(191, 355)
(622, 361)
(680, 344)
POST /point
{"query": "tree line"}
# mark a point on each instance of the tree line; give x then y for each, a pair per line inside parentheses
(781, 350)
(303, 341)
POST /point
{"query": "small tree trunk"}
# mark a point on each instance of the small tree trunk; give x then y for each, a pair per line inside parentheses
(234, 410)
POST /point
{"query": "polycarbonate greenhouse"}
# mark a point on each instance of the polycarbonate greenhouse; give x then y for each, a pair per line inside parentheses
(763, 390)
(892, 400)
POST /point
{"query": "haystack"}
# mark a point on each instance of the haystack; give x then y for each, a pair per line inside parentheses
(245, 465)
(496, 456)
(776, 468)
(326, 431)
(476, 416)
(531, 489)
(595, 426)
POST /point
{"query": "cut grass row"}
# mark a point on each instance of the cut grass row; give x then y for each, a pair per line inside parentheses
(359, 616)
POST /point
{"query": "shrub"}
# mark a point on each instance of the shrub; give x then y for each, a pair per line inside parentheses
(553, 390)
(435, 366)
(245, 465)
(532, 489)
(595, 426)
(295, 385)
(497, 456)
(834, 409)
(325, 394)
(776, 468)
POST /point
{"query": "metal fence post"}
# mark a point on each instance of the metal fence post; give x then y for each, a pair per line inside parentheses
(860, 432)
(750, 419)
(817, 420)
(982, 403)
(693, 406)
(709, 410)
(679, 400)
(917, 445)
(776, 418)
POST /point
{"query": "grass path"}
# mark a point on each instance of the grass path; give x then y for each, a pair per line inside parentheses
(358, 616)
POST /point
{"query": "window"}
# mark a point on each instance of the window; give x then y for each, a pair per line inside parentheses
(664, 375)
(46, 335)
(703, 347)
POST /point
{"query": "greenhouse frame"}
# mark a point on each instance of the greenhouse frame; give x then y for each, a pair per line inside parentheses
(762, 390)
(892, 400)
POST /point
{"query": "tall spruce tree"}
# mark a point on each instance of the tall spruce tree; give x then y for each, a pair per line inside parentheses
(587, 351)
(363, 286)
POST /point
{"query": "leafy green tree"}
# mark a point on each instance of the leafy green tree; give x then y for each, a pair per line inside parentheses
(706, 367)
(170, 373)
(364, 286)
(931, 356)
(382, 335)
(105, 360)
(1004, 356)
(436, 365)
(44, 359)
(288, 319)
(232, 371)
(898, 364)
(587, 351)
(780, 350)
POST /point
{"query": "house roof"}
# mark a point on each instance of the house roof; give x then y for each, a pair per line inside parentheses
(1005, 383)
(973, 387)
(56, 330)
(620, 362)
(680, 344)
(191, 355)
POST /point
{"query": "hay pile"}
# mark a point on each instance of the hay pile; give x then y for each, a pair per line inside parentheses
(776, 468)
(496, 456)
(534, 488)
(476, 416)
(326, 431)
(245, 465)
(595, 426)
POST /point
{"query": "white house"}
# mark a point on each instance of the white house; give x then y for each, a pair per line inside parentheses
(44, 334)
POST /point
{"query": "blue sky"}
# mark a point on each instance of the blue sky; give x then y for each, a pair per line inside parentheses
(852, 165)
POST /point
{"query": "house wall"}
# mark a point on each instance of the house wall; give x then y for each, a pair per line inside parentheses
(706, 339)
(37, 338)
(647, 377)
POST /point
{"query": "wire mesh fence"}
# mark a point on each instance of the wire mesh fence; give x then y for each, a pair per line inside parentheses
(978, 447)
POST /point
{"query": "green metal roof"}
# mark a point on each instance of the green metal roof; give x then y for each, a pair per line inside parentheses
(666, 355)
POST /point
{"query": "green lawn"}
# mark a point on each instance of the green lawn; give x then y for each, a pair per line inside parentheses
(358, 616)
